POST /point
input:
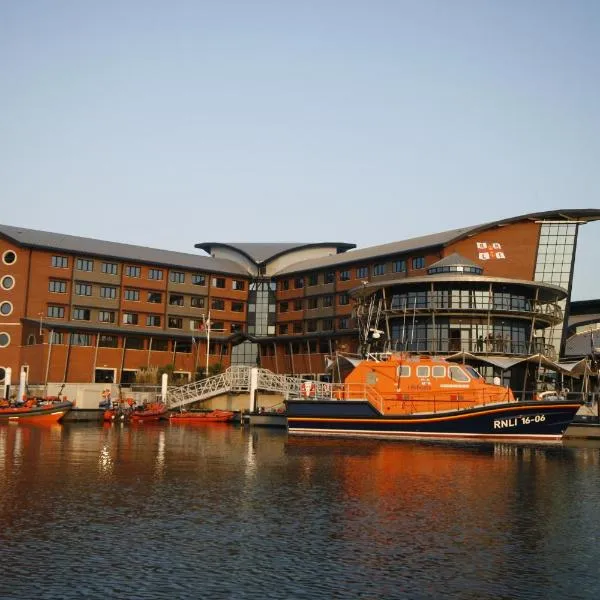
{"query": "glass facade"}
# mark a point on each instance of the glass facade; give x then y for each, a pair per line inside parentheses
(261, 320)
(556, 253)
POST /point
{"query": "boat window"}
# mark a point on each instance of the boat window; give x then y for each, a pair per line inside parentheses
(439, 371)
(422, 371)
(472, 372)
(457, 374)
(404, 371)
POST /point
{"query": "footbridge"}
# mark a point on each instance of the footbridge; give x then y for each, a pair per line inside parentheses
(240, 379)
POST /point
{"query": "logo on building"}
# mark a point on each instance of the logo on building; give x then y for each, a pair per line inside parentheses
(489, 250)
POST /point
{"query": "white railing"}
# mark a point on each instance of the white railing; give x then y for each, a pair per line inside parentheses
(238, 379)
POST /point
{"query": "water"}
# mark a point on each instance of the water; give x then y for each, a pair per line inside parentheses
(222, 511)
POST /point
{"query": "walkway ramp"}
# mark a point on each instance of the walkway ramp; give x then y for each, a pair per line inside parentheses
(241, 379)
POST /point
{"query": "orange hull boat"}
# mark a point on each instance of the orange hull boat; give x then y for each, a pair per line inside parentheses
(37, 414)
(215, 416)
(151, 412)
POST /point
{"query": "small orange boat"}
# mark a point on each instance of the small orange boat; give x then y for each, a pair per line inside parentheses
(34, 411)
(154, 411)
(214, 416)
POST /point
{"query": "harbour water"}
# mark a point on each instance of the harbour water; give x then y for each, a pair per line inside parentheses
(222, 511)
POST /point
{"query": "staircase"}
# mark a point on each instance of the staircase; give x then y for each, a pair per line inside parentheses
(243, 379)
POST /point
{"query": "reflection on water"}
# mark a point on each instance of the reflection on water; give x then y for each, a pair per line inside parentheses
(219, 511)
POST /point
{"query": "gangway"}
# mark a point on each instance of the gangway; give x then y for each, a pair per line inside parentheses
(243, 379)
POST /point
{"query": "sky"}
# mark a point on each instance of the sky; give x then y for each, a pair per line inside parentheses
(168, 123)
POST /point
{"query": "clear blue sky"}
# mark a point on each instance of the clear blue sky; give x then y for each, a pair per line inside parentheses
(173, 122)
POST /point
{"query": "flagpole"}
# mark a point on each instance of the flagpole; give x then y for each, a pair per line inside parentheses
(207, 326)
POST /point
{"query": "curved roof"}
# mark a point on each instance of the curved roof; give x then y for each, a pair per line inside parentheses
(88, 246)
(442, 239)
(555, 292)
(261, 253)
(454, 260)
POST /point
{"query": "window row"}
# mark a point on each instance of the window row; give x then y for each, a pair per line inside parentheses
(133, 343)
(326, 301)
(314, 325)
(312, 279)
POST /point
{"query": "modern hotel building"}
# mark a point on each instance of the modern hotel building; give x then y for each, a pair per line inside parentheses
(81, 310)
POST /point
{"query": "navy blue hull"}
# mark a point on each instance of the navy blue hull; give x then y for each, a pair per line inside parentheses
(514, 420)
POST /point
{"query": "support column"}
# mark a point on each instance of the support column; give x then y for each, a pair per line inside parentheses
(253, 388)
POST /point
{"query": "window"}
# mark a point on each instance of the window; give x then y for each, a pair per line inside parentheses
(418, 262)
(56, 337)
(153, 321)
(327, 324)
(299, 282)
(297, 304)
(108, 292)
(217, 304)
(132, 271)
(83, 289)
(218, 282)
(329, 276)
(422, 371)
(108, 341)
(6, 308)
(160, 345)
(283, 307)
(344, 299)
(177, 277)
(379, 269)
(283, 329)
(81, 339)
(362, 272)
(438, 371)
(238, 284)
(109, 268)
(327, 301)
(56, 312)
(7, 282)
(134, 343)
(106, 316)
(130, 318)
(312, 279)
(298, 327)
(154, 297)
(9, 257)
(196, 324)
(175, 322)
(133, 295)
(198, 279)
(197, 301)
(237, 307)
(57, 287)
(81, 314)
(457, 374)
(236, 327)
(175, 299)
(156, 274)
(311, 325)
(399, 266)
(218, 326)
(285, 284)
(84, 264)
(344, 275)
(344, 323)
(60, 262)
(312, 303)
(404, 371)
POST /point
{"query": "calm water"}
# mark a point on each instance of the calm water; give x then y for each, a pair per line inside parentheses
(221, 511)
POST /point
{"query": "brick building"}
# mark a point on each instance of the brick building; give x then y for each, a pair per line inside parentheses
(75, 309)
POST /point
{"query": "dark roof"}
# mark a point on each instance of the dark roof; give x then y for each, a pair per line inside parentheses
(582, 344)
(454, 260)
(437, 239)
(260, 253)
(116, 250)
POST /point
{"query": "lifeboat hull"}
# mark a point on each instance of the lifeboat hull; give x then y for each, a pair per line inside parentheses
(42, 414)
(510, 421)
(215, 416)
